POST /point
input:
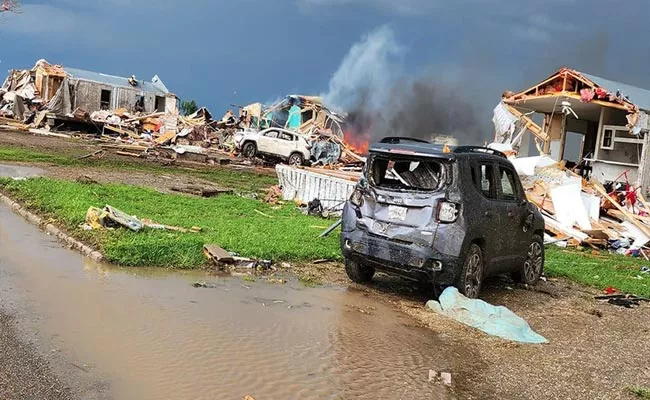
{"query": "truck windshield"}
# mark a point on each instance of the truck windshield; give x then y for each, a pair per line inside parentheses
(406, 173)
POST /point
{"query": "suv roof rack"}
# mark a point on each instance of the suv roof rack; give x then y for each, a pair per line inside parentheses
(478, 149)
(401, 139)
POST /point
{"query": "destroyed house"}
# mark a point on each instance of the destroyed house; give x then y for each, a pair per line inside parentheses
(95, 91)
(63, 90)
(597, 125)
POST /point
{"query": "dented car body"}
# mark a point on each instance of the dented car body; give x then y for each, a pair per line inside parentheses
(451, 216)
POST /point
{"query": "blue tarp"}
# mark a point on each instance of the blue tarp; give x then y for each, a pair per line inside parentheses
(493, 320)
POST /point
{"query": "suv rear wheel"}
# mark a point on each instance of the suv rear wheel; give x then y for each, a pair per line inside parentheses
(358, 272)
(533, 266)
(295, 159)
(471, 276)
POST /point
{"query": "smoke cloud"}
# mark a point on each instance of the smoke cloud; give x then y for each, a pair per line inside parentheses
(381, 100)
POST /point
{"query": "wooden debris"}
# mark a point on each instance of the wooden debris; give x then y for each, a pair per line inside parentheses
(217, 254)
(101, 151)
(202, 191)
(43, 132)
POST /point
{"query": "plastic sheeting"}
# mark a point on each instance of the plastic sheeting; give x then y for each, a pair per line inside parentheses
(493, 320)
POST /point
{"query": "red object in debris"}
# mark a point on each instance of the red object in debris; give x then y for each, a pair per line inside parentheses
(601, 93)
(610, 290)
(586, 95)
(630, 196)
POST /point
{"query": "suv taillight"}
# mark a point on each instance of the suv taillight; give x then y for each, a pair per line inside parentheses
(447, 211)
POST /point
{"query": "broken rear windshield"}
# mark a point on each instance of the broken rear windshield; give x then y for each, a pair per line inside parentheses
(406, 173)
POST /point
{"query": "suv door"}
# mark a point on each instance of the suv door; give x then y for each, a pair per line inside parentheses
(485, 220)
(267, 142)
(286, 144)
(513, 212)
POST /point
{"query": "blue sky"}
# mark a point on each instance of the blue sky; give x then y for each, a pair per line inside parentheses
(223, 52)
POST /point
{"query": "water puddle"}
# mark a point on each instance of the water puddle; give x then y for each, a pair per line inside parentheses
(17, 171)
(154, 336)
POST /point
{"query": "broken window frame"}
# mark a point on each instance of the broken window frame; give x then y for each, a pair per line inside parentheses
(444, 177)
(477, 172)
(509, 174)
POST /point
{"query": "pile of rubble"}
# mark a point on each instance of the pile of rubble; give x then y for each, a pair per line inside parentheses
(580, 212)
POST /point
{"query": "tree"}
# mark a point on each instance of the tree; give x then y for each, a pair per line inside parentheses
(188, 107)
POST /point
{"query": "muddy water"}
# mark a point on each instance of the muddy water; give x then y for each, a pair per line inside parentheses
(151, 335)
(16, 171)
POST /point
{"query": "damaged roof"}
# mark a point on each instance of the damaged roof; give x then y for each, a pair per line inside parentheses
(119, 81)
(638, 96)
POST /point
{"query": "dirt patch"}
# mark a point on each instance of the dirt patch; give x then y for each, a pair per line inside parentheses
(160, 182)
(596, 350)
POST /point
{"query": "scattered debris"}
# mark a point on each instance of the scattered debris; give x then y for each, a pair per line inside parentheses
(331, 228)
(493, 320)
(623, 300)
(201, 190)
(110, 218)
(440, 377)
(204, 285)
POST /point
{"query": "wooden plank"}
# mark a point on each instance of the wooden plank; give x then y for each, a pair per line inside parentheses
(121, 131)
(43, 132)
(550, 223)
(216, 253)
(166, 137)
(126, 153)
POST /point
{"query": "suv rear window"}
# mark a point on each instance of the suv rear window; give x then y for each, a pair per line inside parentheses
(406, 173)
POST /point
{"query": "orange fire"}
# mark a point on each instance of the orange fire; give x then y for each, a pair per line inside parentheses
(358, 142)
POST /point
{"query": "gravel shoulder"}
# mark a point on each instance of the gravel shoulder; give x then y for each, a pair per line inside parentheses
(23, 373)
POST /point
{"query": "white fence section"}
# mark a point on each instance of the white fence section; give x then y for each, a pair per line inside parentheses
(305, 186)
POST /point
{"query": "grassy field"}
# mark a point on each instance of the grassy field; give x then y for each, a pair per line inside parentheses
(240, 180)
(600, 271)
(230, 221)
(640, 393)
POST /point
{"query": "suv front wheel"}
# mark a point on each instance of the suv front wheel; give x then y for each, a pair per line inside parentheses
(471, 276)
(357, 272)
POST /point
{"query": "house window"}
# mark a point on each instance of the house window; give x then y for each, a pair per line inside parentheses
(160, 104)
(608, 139)
(139, 103)
(613, 134)
(105, 100)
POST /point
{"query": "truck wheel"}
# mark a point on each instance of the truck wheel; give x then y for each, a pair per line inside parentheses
(533, 266)
(249, 150)
(295, 159)
(357, 272)
(471, 275)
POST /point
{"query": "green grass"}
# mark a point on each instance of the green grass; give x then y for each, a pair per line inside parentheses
(640, 393)
(229, 221)
(601, 271)
(8, 153)
(240, 180)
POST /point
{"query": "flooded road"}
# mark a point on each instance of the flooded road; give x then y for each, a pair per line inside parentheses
(148, 334)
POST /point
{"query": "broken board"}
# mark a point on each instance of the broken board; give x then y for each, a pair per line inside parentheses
(217, 254)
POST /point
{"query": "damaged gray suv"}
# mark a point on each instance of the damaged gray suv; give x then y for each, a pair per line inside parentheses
(450, 216)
